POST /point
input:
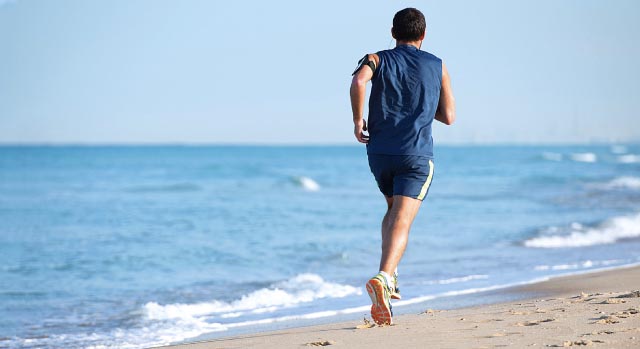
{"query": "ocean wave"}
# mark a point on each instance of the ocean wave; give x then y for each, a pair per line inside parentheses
(457, 280)
(171, 323)
(176, 187)
(552, 156)
(149, 335)
(306, 183)
(629, 159)
(580, 265)
(578, 235)
(303, 288)
(584, 157)
(618, 149)
(625, 182)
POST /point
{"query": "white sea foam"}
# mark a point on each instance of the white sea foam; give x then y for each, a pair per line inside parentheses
(151, 335)
(618, 149)
(629, 159)
(170, 323)
(457, 280)
(580, 265)
(307, 183)
(610, 231)
(552, 156)
(584, 157)
(625, 182)
(303, 288)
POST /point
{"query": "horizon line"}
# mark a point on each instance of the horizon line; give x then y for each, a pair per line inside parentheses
(300, 144)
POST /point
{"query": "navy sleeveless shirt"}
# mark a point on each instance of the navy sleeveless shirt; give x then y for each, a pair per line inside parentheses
(404, 97)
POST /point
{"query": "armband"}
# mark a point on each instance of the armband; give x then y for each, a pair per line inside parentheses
(365, 61)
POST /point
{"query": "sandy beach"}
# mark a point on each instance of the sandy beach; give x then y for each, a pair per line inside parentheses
(598, 309)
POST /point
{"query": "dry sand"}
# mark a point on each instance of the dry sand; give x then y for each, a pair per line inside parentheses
(599, 310)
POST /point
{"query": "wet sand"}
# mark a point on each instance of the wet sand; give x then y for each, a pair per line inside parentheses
(599, 309)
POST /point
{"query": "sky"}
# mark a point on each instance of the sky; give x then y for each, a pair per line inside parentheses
(278, 72)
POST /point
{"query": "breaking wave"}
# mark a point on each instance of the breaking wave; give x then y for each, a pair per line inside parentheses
(625, 182)
(581, 265)
(457, 280)
(618, 149)
(170, 323)
(584, 157)
(306, 183)
(629, 159)
(552, 156)
(165, 188)
(303, 288)
(578, 235)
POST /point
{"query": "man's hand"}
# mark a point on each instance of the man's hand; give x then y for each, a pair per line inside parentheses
(358, 130)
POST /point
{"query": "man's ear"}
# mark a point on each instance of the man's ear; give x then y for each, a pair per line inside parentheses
(423, 34)
(393, 35)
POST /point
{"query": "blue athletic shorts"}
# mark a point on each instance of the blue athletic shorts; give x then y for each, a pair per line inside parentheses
(406, 175)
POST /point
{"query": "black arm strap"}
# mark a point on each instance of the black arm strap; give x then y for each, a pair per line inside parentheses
(365, 61)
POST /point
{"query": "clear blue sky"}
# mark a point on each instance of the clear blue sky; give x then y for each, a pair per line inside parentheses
(279, 71)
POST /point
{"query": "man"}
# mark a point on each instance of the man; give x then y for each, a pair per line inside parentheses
(410, 88)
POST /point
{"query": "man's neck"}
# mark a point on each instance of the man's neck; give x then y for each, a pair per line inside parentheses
(416, 44)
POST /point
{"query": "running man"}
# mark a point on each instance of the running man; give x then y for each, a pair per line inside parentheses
(410, 88)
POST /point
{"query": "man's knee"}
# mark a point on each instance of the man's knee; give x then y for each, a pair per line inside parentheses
(389, 202)
(400, 218)
(404, 209)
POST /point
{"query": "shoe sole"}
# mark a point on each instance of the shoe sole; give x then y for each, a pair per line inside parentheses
(380, 310)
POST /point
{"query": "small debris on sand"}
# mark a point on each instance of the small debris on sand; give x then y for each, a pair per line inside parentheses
(320, 343)
(367, 324)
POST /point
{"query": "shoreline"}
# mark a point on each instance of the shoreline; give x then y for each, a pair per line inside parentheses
(585, 308)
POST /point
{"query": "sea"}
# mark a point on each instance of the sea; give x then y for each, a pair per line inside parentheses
(135, 246)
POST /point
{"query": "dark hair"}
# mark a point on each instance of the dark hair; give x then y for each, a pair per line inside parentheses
(408, 25)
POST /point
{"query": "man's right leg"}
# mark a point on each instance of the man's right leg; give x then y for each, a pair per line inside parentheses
(404, 180)
(395, 232)
(398, 223)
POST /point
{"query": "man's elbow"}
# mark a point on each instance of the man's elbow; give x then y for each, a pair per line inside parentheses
(359, 81)
(449, 118)
(447, 115)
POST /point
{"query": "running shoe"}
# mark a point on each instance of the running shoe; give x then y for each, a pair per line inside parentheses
(380, 295)
(395, 291)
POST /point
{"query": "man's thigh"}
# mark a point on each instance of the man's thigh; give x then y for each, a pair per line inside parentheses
(405, 208)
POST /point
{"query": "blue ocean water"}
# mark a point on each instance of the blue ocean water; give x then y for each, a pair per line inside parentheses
(136, 246)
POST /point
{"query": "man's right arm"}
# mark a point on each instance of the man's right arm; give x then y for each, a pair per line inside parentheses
(357, 93)
(446, 112)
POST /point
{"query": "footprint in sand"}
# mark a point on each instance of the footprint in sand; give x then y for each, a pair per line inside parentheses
(613, 301)
(499, 334)
(583, 342)
(625, 313)
(595, 333)
(534, 323)
(514, 312)
(431, 312)
(607, 319)
(632, 294)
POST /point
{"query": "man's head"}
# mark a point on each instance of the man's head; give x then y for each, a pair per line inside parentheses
(409, 25)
